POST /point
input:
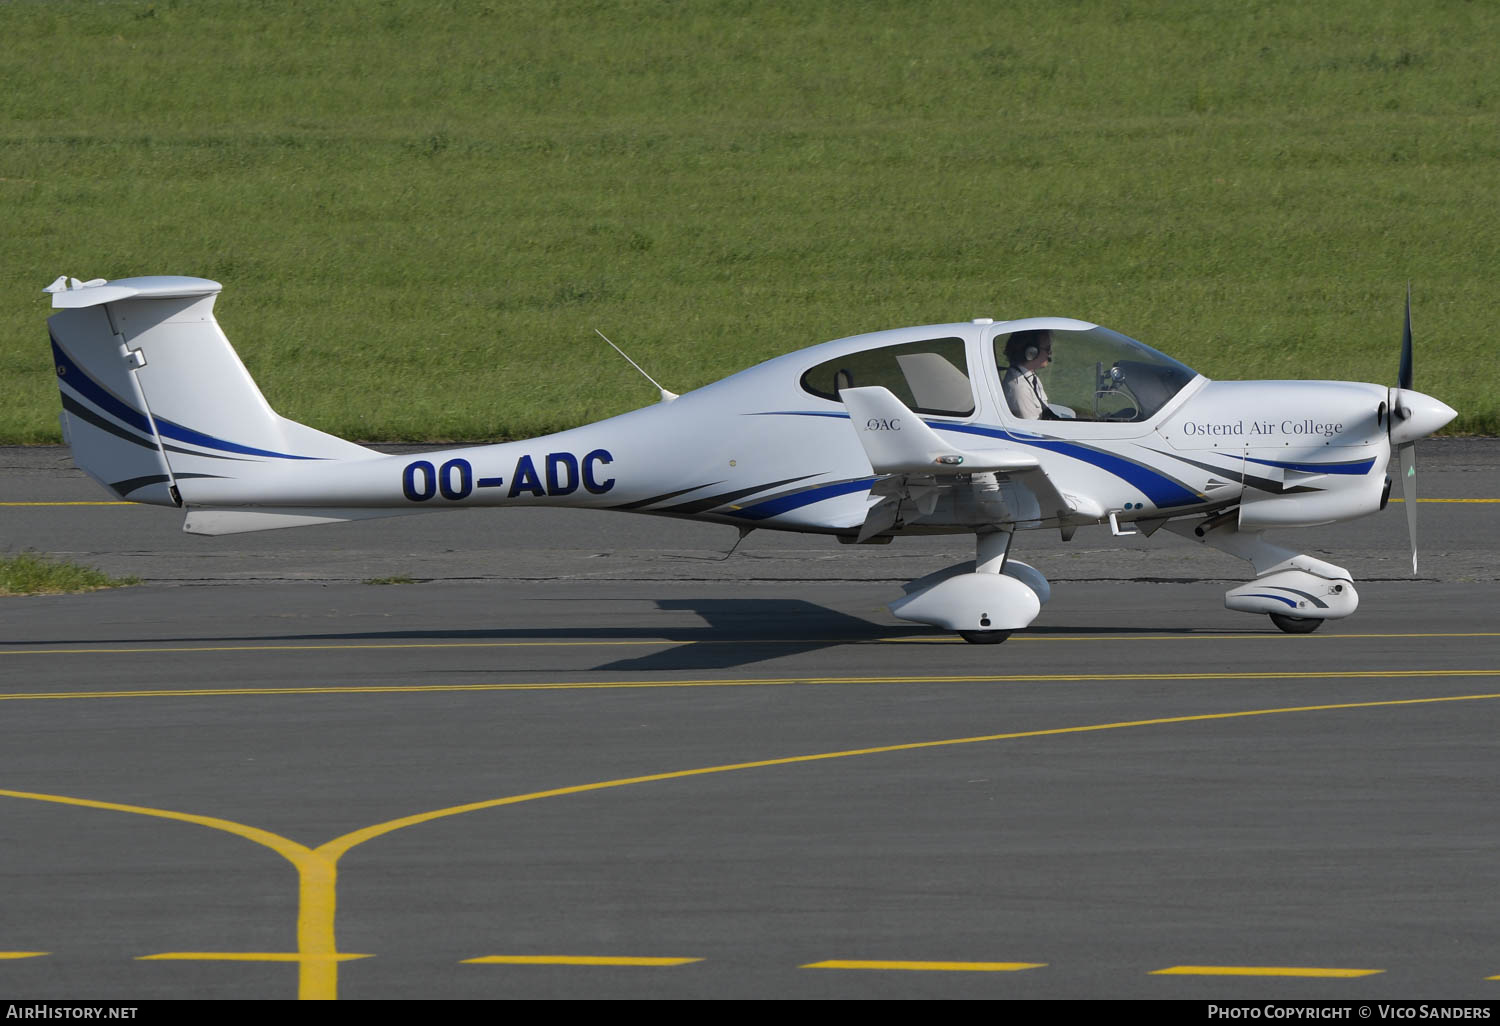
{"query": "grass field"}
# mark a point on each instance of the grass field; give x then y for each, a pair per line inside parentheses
(420, 211)
(27, 573)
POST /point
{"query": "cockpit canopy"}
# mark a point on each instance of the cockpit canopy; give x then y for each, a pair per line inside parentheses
(1092, 374)
(928, 377)
(1089, 374)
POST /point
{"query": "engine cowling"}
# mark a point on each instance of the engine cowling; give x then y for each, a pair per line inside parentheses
(1326, 499)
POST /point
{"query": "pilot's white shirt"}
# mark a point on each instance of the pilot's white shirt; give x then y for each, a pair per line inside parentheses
(1024, 393)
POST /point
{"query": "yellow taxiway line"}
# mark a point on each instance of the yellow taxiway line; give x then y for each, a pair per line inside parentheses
(941, 967)
(1263, 970)
(317, 955)
(577, 960)
(244, 956)
(1018, 678)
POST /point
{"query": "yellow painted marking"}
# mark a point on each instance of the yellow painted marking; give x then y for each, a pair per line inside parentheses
(244, 956)
(317, 955)
(339, 845)
(921, 639)
(1262, 970)
(317, 868)
(577, 960)
(1018, 678)
(948, 967)
(91, 503)
(23, 954)
(1450, 500)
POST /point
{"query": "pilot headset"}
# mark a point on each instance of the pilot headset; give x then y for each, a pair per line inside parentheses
(1029, 353)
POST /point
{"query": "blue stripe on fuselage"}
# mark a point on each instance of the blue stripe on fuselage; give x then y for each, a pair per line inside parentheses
(187, 434)
(1355, 467)
(1163, 491)
(796, 500)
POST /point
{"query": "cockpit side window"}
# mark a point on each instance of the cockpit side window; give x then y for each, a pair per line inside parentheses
(928, 377)
(1094, 374)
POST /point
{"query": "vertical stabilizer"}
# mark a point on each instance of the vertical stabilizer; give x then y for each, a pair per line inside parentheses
(155, 397)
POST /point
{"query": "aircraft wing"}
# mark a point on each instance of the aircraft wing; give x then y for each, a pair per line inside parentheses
(897, 441)
(917, 461)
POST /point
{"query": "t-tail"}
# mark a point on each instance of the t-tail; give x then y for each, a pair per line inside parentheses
(155, 398)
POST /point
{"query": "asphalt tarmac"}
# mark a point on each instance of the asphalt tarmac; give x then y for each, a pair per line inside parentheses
(591, 753)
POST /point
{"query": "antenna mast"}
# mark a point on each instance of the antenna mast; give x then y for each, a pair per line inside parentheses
(666, 395)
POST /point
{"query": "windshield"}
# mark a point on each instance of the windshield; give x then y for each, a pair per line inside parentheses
(1097, 374)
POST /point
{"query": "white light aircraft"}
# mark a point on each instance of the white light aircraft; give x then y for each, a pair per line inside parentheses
(979, 427)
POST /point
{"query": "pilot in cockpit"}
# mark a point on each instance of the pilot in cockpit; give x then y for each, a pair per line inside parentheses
(1027, 352)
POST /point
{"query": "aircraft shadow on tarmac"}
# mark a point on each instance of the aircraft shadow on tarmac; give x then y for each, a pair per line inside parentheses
(741, 631)
(735, 632)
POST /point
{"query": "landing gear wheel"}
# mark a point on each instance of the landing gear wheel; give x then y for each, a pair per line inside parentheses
(1296, 624)
(984, 637)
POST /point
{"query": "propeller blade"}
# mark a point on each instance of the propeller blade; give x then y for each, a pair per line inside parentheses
(1408, 454)
(1403, 377)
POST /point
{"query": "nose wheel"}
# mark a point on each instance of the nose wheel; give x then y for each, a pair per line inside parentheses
(1296, 624)
(984, 637)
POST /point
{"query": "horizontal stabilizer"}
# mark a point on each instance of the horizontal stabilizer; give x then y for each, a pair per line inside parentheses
(97, 292)
(269, 518)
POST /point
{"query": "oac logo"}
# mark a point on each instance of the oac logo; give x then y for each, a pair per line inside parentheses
(883, 424)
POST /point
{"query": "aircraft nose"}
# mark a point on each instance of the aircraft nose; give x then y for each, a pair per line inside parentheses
(1422, 415)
